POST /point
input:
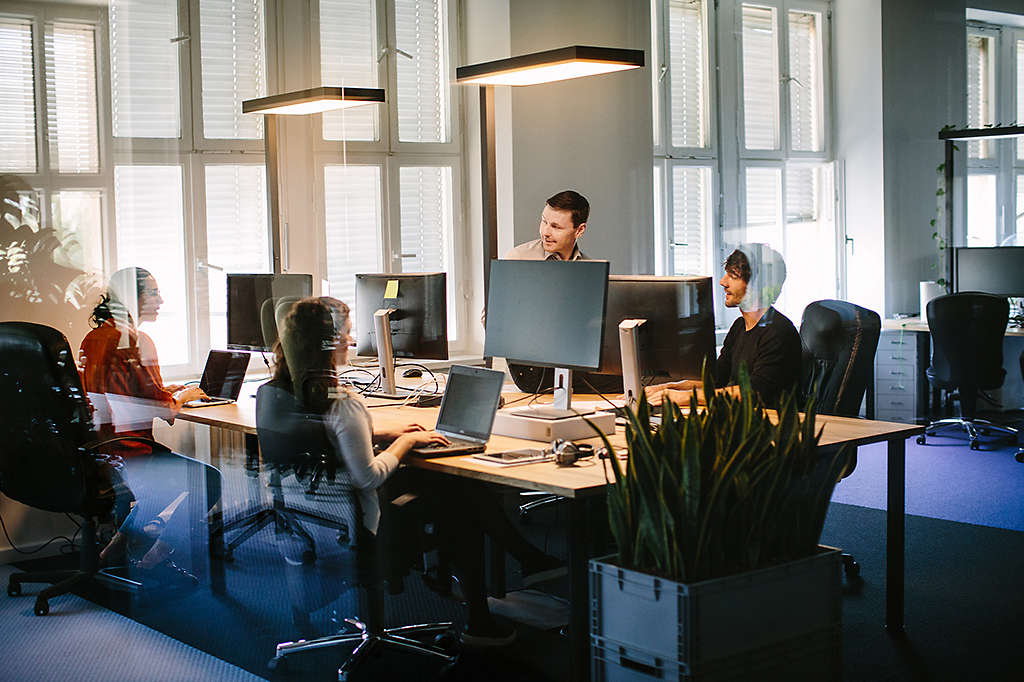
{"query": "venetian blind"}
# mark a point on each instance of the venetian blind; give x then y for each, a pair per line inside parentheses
(980, 101)
(150, 232)
(690, 219)
(71, 98)
(233, 62)
(348, 57)
(237, 238)
(760, 78)
(805, 96)
(422, 96)
(144, 71)
(688, 93)
(353, 221)
(763, 204)
(1020, 109)
(17, 92)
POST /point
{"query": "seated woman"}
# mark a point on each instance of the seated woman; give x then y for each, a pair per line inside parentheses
(121, 376)
(313, 341)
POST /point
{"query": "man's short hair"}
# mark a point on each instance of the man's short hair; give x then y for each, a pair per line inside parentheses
(738, 265)
(574, 202)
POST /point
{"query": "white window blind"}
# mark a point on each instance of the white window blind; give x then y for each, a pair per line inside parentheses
(348, 58)
(144, 70)
(150, 233)
(980, 96)
(1020, 210)
(352, 201)
(71, 98)
(688, 94)
(233, 62)
(809, 244)
(805, 96)
(1020, 102)
(237, 238)
(17, 92)
(76, 218)
(760, 78)
(422, 79)
(691, 220)
(427, 226)
(801, 195)
(763, 205)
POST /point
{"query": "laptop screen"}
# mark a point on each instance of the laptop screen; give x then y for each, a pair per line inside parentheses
(224, 373)
(470, 401)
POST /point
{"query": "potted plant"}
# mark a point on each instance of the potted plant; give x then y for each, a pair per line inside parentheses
(716, 516)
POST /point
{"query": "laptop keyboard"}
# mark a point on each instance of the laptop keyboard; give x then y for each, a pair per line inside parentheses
(455, 447)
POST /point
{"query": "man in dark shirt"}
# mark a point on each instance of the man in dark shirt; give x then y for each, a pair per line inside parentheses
(762, 338)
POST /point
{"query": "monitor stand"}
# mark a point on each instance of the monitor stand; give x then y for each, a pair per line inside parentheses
(386, 358)
(629, 343)
(557, 421)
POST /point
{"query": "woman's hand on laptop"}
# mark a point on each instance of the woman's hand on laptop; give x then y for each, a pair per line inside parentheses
(386, 434)
(413, 439)
(188, 393)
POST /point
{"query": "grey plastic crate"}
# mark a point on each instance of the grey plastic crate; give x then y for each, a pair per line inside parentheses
(715, 619)
(813, 656)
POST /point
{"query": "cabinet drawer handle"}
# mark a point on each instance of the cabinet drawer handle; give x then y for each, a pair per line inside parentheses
(895, 402)
(897, 372)
(897, 357)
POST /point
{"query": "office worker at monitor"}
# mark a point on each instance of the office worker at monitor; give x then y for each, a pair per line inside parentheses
(562, 222)
(313, 341)
(762, 339)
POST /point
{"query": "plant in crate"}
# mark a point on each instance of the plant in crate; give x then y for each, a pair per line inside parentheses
(729, 489)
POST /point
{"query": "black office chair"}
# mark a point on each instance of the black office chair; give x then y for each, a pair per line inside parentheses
(967, 332)
(839, 341)
(286, 431)
(51, 459)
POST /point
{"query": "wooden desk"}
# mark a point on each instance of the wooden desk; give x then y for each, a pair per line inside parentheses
(917, 324)
(587, 478)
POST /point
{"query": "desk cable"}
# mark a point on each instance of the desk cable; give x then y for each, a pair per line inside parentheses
(67, 548)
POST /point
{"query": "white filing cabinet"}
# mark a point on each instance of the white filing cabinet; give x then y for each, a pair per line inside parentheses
(896, 377)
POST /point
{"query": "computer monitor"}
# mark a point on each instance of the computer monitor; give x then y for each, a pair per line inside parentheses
(994, 270)
(679, 329)
(252, 298)
(548, 313)
(410, 310)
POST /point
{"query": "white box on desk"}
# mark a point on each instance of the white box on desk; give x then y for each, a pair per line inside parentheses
(506, 423)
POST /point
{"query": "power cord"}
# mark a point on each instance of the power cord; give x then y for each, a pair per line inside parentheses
(70, 541)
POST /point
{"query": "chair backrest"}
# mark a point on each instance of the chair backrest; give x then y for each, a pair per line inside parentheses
(288, 434)
(839, 340)
(272, 313)
(967, 332)
(46, 420)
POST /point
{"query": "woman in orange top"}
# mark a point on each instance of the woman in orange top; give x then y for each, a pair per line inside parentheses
(120, 370)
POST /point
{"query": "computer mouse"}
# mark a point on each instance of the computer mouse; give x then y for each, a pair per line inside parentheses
(412, 372)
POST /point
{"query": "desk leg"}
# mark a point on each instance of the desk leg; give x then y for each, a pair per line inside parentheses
(579, 597)
(894, 534)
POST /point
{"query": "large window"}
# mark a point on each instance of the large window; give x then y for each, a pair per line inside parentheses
(769, 182)
(391, 174)
(995, 95)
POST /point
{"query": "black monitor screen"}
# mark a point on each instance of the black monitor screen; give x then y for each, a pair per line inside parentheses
(547, 313)
(419, 323)
(679, 332)
(994, 270)
(252, 301)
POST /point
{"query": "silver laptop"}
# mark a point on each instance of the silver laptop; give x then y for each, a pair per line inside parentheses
(470, 400)
(222, 378)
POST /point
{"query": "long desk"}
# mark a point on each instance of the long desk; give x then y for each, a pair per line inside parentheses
(579, 482)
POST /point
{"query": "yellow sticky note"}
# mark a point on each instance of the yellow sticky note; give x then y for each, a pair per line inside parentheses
(391, 290)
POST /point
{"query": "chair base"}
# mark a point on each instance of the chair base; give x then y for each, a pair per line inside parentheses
(974, 428)
(284, 519)
(366, 640)
(541, 500)
(63, 582)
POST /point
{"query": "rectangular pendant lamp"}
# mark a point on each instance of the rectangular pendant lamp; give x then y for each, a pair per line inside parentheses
(313, 101)
(551, 65)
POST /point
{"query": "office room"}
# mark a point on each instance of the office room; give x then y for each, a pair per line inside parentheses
(155, 204)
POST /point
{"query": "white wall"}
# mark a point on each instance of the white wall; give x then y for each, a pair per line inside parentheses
(857, 69)
(589, 134)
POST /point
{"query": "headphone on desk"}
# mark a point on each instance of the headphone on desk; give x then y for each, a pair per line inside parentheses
(568, 453)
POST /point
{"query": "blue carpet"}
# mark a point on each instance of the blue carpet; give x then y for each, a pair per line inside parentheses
(945, 480)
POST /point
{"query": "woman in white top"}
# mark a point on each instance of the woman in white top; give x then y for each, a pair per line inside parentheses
(314, 339)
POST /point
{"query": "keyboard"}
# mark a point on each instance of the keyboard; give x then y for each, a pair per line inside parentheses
(456, 447)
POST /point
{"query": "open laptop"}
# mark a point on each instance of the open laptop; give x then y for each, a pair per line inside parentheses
(222, 377)
(470, 400)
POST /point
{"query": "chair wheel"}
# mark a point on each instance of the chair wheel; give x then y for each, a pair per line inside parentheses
(852, 570)
(975, 445)
(920, 440)
(42, 607)
(14, 589)
(1019, 456)
(277, 663)
(447, 641)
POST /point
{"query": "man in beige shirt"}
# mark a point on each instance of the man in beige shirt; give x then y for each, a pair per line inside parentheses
(562, 222)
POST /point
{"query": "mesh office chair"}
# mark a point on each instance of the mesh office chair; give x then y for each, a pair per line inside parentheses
(285, 431)
(967, 332)
(839, 341)
(52, 461)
